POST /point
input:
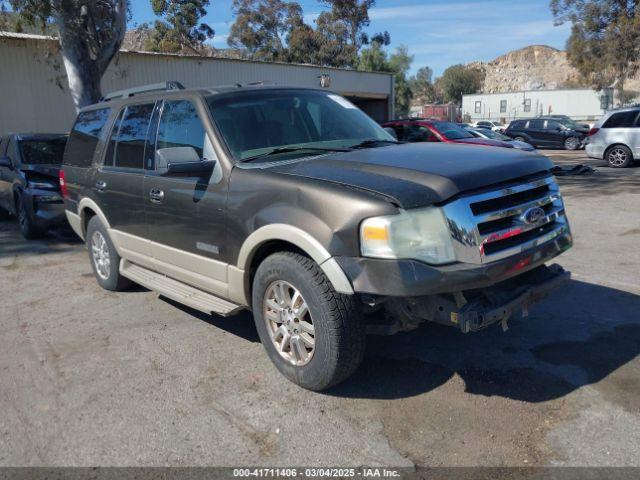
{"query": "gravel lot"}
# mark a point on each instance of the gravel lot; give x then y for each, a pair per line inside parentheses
(89, 377)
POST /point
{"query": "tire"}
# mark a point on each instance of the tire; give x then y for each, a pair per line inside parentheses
(104, 258)
(521, 139)
(27, 227)
(619, 156)
(338, 329)
(572, 143)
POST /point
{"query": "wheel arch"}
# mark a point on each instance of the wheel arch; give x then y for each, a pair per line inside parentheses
(87, 209)
(281, 237)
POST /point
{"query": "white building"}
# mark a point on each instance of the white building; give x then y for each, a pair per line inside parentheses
(35, 97)
(579, 104)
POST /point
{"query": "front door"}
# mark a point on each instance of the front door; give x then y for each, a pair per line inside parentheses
(120, 179)
(185, 214)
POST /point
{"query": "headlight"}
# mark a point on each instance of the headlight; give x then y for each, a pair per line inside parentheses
(420, 234)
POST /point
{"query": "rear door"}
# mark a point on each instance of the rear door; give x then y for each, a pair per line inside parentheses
(185, 214)
(119, 180)
(535, 130)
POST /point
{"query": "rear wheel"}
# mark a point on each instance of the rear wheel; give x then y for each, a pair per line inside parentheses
(314, 335)
(27, 227)
(619, 156)
(104, 258)
(572, 143)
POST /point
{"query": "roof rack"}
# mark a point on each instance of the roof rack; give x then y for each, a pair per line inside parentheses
(154, 87)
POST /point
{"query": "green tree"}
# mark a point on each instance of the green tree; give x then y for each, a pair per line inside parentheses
(375, 58)
(605, 39)
(180, 30)
(354, 16)
(460, 80)
(422, 86)
(89, 38)
(262, 27)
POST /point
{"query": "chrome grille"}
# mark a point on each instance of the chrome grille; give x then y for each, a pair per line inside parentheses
(497, 224)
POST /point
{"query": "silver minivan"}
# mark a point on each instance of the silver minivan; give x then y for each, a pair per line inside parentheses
(616, 137)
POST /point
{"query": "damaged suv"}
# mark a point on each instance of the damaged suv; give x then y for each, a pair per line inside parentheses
(296, 205)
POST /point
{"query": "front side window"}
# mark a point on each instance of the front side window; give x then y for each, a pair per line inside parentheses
(180, 126)
(503, 106)
(84, 137)
(42, 152)
(256, 123)
(621, 120)
(478, 107)
(132, 136)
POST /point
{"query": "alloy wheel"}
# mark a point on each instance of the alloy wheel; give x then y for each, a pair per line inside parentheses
(289, 323)
(571, 143)
(100, 254)
(617, 157)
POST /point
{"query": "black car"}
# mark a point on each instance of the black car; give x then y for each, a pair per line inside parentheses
(29, 184)
(545, 132)
(294, 204)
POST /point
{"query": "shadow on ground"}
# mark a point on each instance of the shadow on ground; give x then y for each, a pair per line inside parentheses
(578, 337)
(12, 243)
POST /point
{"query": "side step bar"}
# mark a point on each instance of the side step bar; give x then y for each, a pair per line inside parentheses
(178, 291)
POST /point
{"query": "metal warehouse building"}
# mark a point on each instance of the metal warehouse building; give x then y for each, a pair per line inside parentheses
(35, 97)
(579, 104)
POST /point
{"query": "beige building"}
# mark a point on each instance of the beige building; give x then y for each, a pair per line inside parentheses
(35, 97)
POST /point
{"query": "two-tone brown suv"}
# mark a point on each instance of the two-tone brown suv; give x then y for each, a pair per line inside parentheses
(294, 204)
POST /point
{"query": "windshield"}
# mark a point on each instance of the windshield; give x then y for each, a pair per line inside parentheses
(451, 131)
(42, 152)
(256, 123)
(567, 122)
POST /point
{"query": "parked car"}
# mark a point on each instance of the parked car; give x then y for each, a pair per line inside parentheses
(293, 203)
(570, 122)
(29, 189)
(616, 137)
(438, 131)
(546, 132)
(493, 135)
(495, 126)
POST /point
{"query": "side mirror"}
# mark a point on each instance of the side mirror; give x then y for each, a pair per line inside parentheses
(181, 161)
(5, 162)
(391, 132)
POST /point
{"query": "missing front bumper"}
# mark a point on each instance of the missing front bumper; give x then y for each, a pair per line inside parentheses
(474, 310)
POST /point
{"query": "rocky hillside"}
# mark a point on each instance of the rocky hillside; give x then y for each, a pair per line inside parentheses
(533, 68)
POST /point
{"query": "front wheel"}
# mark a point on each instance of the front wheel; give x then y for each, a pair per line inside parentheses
(619, 157)
(572, 143)
(521, 139)
(314, 335)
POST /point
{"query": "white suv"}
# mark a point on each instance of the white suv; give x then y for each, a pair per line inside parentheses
(491, 125)
(616, 137)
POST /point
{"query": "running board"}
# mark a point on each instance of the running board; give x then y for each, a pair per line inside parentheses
(178, 291)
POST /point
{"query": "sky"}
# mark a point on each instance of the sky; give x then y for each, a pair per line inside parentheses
(439, 33)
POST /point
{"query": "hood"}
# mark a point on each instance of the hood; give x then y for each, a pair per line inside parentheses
(484, 141)
(419, 174)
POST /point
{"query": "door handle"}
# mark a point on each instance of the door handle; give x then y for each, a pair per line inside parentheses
(100, 185)
(155, 195)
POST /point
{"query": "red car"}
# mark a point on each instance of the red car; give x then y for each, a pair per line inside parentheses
(419, 130)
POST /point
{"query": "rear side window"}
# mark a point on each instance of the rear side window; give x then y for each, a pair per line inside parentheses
(622, 120)
(536, 124)
(84, 137)
(132, 136)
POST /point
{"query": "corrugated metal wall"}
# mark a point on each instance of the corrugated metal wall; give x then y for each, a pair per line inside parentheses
(34, 95)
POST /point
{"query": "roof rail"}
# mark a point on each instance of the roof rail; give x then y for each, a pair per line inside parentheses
(154, 87)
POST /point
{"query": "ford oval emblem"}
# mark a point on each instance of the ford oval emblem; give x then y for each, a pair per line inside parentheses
(533, 215)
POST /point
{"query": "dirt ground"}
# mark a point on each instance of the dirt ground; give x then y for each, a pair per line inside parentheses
(90, 377)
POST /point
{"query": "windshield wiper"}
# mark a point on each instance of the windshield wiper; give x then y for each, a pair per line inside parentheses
(373, 143)
(277, 151)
